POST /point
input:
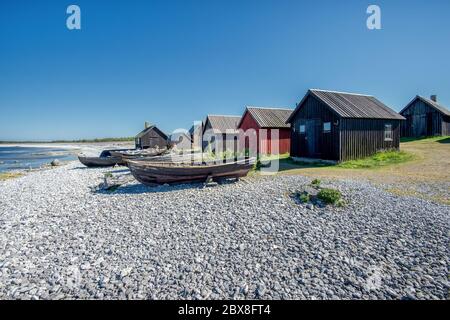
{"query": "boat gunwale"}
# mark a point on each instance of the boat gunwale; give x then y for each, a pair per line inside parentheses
(202, 165)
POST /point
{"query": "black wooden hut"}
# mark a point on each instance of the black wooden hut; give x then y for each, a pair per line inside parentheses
(425, 117)
(151, 137)
(342, 126)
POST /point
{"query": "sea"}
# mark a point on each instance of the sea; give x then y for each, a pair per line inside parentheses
(17, 158)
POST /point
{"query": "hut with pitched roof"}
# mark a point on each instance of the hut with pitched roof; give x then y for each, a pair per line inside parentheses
(341, 126)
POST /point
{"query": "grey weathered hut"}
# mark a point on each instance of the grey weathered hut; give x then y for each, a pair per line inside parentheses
(425, 117)
(342, 126)
(224, 126)
(196, 134)
(151, 137)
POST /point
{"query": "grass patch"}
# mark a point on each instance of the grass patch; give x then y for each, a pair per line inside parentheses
(380, 159)
(271, 157)
(306, 164)
(9, 175)
(108, 175)
(441, 139)
(316, 183)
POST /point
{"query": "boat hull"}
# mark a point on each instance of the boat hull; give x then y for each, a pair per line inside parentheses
(99, 161)
(152, 173)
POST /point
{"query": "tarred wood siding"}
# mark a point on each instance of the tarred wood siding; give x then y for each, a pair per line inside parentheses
(348, 139)
(265, 144)
(423, 120)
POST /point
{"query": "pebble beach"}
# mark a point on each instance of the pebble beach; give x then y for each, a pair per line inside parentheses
(61, 237)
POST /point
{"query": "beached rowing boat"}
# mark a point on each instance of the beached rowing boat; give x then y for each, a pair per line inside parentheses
(173, 157)
(154, 173)
(99, 161)
(106, 159)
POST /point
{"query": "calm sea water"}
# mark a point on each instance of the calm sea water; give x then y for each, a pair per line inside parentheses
(14, 158)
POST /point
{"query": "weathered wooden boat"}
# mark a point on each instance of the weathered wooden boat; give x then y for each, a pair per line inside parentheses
(155, 173)
(136, 154)
(172, 157)
(104, 160)
(99, 161)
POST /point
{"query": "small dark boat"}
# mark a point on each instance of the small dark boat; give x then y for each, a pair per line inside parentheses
(136, 154)
(99, 161)
(155, 173)
(104, 160)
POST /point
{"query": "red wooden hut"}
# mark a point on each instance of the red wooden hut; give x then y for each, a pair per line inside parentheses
(268, 119)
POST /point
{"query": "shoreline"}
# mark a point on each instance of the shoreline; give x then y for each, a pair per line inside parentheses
(71, 150)
(68, 145)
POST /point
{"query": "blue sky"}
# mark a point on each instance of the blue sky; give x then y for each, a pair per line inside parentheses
(172, 62)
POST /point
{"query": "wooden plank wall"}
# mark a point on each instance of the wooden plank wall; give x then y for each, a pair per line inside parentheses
(416, 124)
(328, 142)
(363, 137)
(152, 139)
(446, 126)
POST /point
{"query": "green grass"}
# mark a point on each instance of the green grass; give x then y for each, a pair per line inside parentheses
(270, 157)
(444, 139)
(9, 175)
(380, 159)
(95, 140)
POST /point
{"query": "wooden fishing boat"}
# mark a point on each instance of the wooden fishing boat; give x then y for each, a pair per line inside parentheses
(99, 161)
(155, 173)
(172, 157)
(136, 154)
(106, 159)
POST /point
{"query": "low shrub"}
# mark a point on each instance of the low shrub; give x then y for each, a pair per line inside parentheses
(304, 197)
(316, 183)
(329, 196)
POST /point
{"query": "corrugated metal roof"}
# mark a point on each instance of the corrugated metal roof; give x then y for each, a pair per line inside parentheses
(352, 105)
(223, 123)
(431, 103)
(270, 117)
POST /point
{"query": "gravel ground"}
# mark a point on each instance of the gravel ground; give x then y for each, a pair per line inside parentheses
(62, 239)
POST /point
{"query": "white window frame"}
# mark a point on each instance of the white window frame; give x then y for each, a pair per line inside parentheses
(302, 126)
(327, 130)
(388, 132)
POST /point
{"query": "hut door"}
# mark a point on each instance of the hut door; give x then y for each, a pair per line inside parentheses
(312, 137)
(429, 124)
(419, 124)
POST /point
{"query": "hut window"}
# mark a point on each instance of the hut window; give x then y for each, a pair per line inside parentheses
(388, 132)
(327, 127)
(302, 128)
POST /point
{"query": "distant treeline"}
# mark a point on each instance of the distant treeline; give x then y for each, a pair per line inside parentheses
(75, 141)
(95, 140)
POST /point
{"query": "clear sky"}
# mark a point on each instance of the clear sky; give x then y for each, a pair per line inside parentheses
(172, 62)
